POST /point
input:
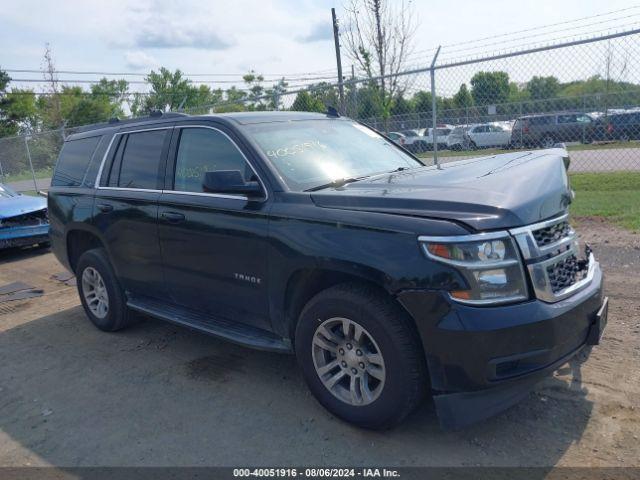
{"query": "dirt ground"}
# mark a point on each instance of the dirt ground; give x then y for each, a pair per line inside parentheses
(161, 395)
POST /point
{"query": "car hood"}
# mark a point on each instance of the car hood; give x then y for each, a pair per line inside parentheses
(19, 205)
(487, 193)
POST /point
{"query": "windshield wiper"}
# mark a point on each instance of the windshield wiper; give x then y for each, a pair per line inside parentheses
(341, 182)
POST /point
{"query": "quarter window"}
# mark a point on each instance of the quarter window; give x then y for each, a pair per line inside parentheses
(204, 150)
(73, 162)
(141, 159)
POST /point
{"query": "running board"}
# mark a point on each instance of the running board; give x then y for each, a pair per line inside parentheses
(239, 333)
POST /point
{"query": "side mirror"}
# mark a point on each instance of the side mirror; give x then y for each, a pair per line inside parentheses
(230, 182)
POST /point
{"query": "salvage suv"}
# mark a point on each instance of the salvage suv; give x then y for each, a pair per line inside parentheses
(314, 234)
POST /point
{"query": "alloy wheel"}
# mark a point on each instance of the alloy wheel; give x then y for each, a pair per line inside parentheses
(95, 292)
(348, 361)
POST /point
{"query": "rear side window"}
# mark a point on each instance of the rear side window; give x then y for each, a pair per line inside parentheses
(204, 150)
(139, 164)
(541, 120)
(73, 162)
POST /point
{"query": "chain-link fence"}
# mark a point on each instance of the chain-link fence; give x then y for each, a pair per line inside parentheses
(584, 93)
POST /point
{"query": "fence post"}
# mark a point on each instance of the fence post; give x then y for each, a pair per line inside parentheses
(434, 115)
(33, 173)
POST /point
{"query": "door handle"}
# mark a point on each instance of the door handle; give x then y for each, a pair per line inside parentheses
(104, 207)
(172, 217)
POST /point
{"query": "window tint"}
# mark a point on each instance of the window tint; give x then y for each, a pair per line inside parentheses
(73, 162)
(570, 118)
(204, 150)
(541, 120)
(117, 161)
(583, 118)
(141, 158)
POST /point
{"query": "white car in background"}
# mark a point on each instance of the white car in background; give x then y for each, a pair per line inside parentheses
(494, 134)
(442, 135)
(414, 140)
(398, 138)
(457, 138)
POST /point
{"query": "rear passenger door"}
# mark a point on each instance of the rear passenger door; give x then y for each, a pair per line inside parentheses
(214, 246)
(126, 207)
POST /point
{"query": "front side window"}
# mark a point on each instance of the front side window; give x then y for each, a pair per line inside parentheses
(310, 153)
(141, 158)
(567, 118)
(204, 150)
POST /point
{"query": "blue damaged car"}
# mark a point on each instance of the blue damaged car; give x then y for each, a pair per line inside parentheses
(23, 219)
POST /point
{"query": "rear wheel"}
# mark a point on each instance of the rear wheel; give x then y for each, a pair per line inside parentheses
(547, 141)
(361, 356)
(100, 292)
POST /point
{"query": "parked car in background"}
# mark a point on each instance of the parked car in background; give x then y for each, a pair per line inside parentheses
(495, 134)
(618, 126)
(414, 140)
(397, 137)
(548, 129)
(441, 136)
(23, 219)
(458, 139)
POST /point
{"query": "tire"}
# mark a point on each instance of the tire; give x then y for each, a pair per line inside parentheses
(389, 344)
(117, 315)
(547, 141)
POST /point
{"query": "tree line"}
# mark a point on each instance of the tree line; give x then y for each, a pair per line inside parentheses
(24, 111)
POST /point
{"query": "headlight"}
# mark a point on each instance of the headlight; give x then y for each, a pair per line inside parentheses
(489, 262)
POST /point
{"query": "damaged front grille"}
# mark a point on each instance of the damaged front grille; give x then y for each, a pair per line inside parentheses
(565, 273)
(552, 234)
(31, 219)
(555, 266)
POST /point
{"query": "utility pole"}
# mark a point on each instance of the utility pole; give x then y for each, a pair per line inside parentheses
(336, 39)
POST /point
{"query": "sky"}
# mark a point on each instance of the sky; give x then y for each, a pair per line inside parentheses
(273, 37)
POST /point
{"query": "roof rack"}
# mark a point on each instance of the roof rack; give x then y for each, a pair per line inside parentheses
(115, 121)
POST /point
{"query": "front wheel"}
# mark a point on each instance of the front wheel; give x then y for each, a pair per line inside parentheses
(361, 356)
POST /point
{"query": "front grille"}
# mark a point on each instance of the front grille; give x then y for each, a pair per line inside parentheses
(564, 273)
(556, 267)
(32, 219)
(552, 234)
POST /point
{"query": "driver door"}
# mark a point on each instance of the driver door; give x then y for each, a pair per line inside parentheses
(214, 246)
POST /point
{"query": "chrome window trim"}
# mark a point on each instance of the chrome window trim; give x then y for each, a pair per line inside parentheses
(106, 154)
(180, 192)
(223, 195)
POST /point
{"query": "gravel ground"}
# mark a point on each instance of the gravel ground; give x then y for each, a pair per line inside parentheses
(161, 395)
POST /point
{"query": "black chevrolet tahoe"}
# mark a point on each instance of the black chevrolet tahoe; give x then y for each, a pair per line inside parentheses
(314, 234)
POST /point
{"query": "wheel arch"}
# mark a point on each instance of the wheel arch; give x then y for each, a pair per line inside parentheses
(79, 240)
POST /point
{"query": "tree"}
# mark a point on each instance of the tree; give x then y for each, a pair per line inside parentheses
(169, 91)
(542, 88)
(490, 88)
(462, 98)
(17, 108)
(378, 37)
(306, 103)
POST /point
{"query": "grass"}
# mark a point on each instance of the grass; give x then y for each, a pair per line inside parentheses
(26, 175)
(612, 195)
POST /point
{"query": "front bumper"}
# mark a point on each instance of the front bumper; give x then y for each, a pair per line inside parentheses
(482, 360)
(23, 236)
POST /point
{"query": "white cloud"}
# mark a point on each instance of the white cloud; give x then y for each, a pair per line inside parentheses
(138, 60)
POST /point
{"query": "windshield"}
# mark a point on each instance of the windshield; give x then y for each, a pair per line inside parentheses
(6, 192)
(310, 153)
